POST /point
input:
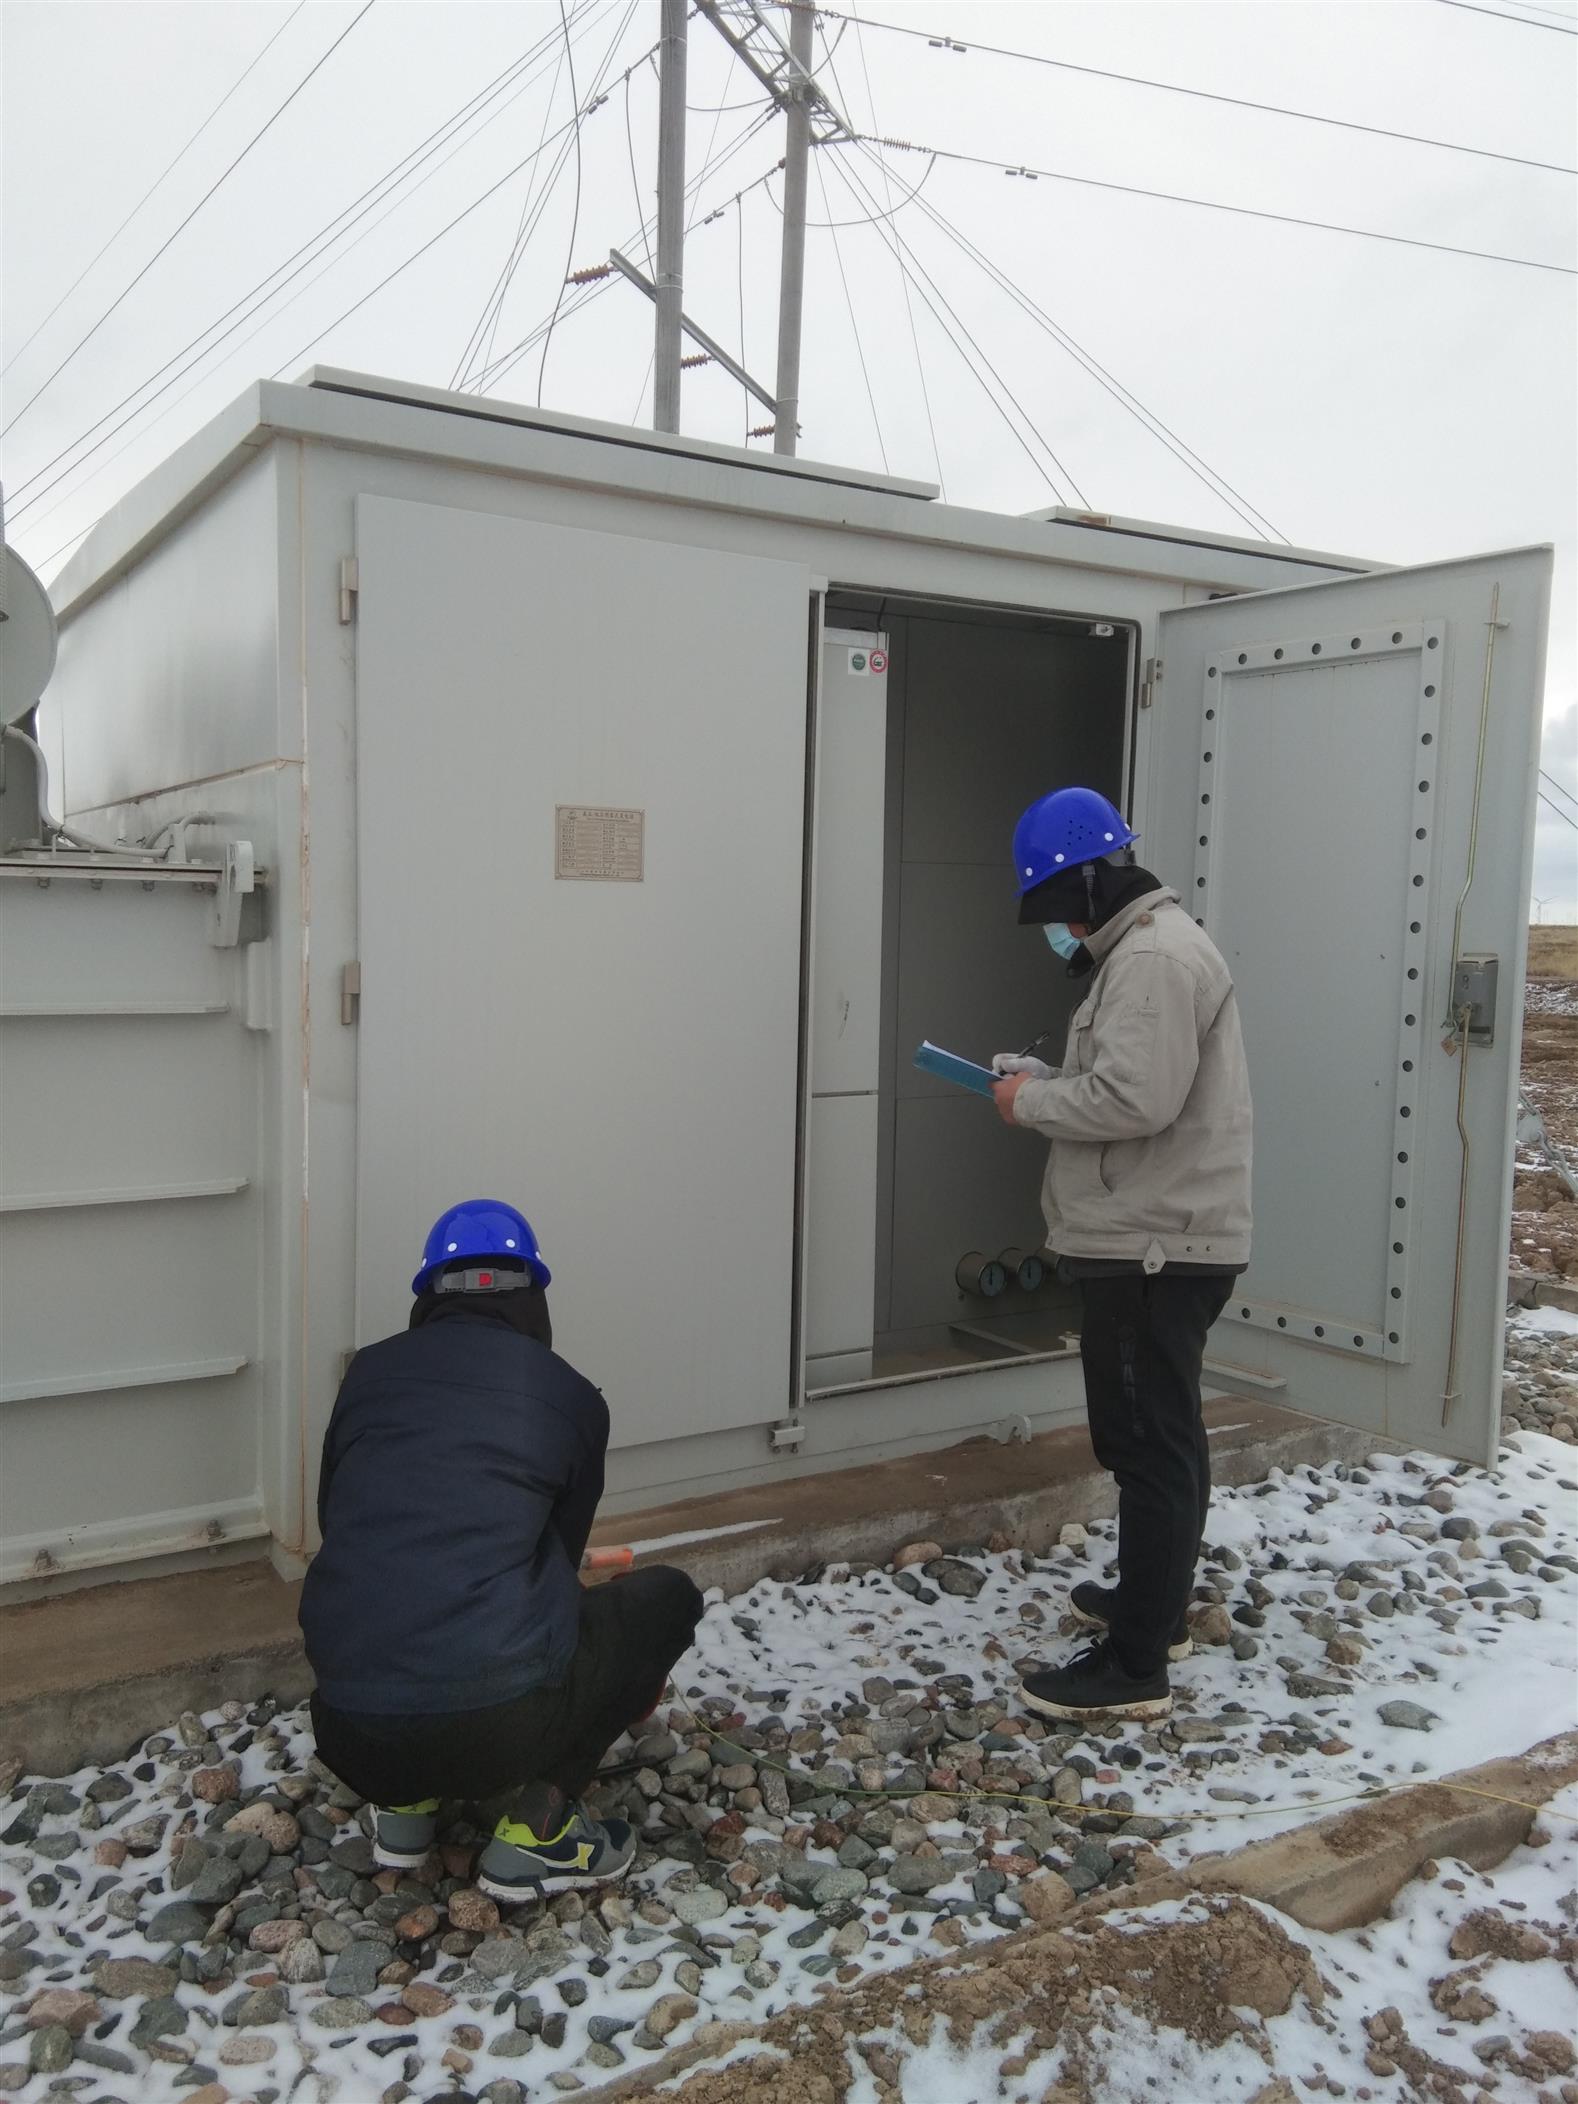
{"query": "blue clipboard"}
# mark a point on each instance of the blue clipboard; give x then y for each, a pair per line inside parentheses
(963, 1073)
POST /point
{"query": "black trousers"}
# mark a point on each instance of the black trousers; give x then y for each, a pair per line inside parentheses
(1141, 1345)
(633, 1631)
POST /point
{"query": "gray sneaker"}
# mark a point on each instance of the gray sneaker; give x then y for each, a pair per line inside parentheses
(1091, 1606)
(516, 1866)
(405, 1833)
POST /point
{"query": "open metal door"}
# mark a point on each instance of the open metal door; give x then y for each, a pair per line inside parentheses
(1343, 790)
(580, 766)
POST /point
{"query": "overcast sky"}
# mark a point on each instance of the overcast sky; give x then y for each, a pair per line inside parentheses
(1362, 396)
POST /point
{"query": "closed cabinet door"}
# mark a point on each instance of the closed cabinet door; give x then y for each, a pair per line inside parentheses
(581, 793)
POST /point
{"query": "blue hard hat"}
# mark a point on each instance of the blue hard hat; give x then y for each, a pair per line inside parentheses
(480, 1227)
(1063, 830)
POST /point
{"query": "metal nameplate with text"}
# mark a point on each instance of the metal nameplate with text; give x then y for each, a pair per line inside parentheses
(599, 844)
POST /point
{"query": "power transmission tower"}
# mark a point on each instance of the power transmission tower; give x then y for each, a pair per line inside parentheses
(670, 274)
(784, 70)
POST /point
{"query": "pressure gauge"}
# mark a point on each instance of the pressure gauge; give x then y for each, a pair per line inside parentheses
(980, 1275)
(1025, 1267)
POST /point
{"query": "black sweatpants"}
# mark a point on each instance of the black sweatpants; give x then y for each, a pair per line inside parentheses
(1141, 1345)
(633, 1631)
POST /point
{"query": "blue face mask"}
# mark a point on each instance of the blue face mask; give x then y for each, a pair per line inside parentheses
(1062, 939)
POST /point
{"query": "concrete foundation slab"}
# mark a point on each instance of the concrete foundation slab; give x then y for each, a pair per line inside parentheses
(86, 1674)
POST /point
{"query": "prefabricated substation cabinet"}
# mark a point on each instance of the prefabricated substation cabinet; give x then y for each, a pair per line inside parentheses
(626, 810)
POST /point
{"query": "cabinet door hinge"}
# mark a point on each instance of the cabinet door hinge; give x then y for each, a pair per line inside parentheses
(1150, 680)
(351, 991)
(350, 585)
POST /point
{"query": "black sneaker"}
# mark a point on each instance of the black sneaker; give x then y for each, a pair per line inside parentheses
(1091, 1606)
(1094, 1688)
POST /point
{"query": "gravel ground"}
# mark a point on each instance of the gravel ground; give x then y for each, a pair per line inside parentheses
(204, 1920)
(1544, 1211)
(1462, 1994)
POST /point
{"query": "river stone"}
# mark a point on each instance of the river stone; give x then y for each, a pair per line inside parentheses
(839, 1884)
(164, 2018)
(120, 1978)
(180, 1922)
(265, 2005)
(301, 1963)
(702, 1905)
(917, 1874)
(342, 2012)
(1407, 1716)
(355, 1971)
(248, 2050)
(50, 2050)
(217, 1881)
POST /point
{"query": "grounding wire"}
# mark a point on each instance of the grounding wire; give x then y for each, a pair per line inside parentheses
(169, 170)
(88, 335)
(326, 235)
(1173, 87)
(854, 325)
(1215, 204)
(1200, 468)
(901, 249)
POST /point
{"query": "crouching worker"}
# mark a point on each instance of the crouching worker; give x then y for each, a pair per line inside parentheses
(455, 1651)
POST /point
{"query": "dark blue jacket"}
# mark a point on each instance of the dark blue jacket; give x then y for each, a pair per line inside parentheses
(461, 1472)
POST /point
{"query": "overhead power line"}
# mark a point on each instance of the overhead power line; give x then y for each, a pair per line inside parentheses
(158, 180)
(1213, 204)
(904, 283)
(1553, 805)
(217, 184)
(482, 382)
(301, 260)
(1172, 87)
(1523, 21)
(1548, 777)
(954, 329)
(1209, 477)
(575, 217)
(479, 343)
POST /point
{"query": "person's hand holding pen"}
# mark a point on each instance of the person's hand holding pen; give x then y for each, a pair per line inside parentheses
(1016, 1068)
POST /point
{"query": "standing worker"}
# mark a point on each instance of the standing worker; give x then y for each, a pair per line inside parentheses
(1148, 1210)
(456, 1654)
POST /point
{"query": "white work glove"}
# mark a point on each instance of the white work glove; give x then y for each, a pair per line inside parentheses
(1006, 1063)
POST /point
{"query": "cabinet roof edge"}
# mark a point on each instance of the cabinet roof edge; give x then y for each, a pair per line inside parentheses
(361, 412)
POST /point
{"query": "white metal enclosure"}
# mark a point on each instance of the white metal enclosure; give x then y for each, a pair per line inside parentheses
(531, 723)
(130, 1224)
(592, 671)
(1352, 747)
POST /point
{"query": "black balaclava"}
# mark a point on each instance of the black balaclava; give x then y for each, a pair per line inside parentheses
(1090, 894)
(525, 1309)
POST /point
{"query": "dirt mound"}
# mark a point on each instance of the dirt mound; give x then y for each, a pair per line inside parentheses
(1544, 1215)
(1207, 1973)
